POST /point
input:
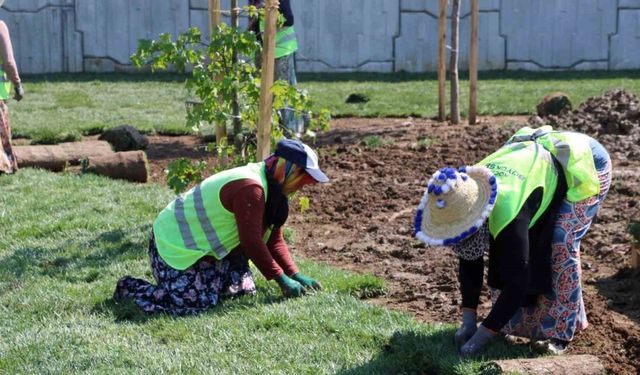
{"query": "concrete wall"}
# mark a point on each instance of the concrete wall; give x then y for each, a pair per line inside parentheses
(339, 35)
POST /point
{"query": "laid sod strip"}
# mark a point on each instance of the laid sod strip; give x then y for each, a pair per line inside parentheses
(66, 239)
(64, 108)
(60, 108)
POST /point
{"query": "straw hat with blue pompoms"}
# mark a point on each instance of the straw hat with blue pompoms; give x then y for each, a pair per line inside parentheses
(455, 205)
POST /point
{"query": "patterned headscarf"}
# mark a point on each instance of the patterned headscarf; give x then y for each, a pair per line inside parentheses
(288, 175)
(283, 177)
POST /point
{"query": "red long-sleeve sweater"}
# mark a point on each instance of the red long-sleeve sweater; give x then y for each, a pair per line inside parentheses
(245, 199)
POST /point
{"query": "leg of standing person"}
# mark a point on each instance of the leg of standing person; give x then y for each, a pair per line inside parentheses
(8, 162)
(285, 70)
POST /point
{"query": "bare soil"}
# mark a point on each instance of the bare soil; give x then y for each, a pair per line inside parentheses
(363, 221)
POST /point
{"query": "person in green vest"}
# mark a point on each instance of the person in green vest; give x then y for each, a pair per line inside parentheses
(10, 82)
(202, 241)
(285, 65)
(527, 205)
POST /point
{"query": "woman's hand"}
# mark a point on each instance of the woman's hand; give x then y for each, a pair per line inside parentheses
(306, 281)
(18, 91)
(289, 287)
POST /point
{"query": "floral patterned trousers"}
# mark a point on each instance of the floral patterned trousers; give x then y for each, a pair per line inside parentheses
(8, 162)
(190, 291)
(561, 313)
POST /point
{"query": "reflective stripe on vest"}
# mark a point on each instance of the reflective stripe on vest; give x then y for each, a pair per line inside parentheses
(520, 168)
(286, 41)
(205, 223)
(573, 152)
(197, 224)
(5, 84)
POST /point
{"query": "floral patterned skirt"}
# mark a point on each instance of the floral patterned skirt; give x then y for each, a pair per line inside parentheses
(8, 162)
(190, 291)
(561, 313)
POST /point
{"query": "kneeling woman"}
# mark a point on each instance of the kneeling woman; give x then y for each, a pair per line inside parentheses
(201, 242)
(528, 204)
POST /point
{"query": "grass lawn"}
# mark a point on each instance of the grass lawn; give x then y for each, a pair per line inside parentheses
(64, 107)
(66, 239)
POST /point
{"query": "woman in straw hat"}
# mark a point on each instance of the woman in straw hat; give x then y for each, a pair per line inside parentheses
(528, 205)
(8, 77)
(201, 242)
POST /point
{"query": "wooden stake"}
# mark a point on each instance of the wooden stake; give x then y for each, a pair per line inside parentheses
(442, 71)
(473, 63)
(453, 66)
(214, 14)
(237, 125)
(214, 21)
(268, 66)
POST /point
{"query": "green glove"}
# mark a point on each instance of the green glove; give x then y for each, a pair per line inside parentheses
(306, 281)
(289, 287)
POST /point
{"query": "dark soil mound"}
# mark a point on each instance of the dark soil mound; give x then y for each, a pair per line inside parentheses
(613, 119)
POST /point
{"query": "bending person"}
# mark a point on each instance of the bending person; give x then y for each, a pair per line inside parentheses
(528, 205)
(201, 242)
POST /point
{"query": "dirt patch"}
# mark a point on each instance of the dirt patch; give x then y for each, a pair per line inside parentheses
(363, 221)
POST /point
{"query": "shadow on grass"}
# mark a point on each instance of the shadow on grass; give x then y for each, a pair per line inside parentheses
(73, 262)
(127, 311)
(435, 353)
(621, 291)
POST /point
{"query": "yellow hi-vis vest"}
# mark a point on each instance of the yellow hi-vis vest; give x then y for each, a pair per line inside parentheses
(573, 152)
(286, 41)
(5, 84)
(519, 168)
(197, 224)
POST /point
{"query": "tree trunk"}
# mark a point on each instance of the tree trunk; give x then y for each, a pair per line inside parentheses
(560, 365)
(130, 166)
(214, 21)
(453, 64)
(442, 71)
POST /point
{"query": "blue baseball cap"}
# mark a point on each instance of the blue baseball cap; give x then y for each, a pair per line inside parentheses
(301, 155)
